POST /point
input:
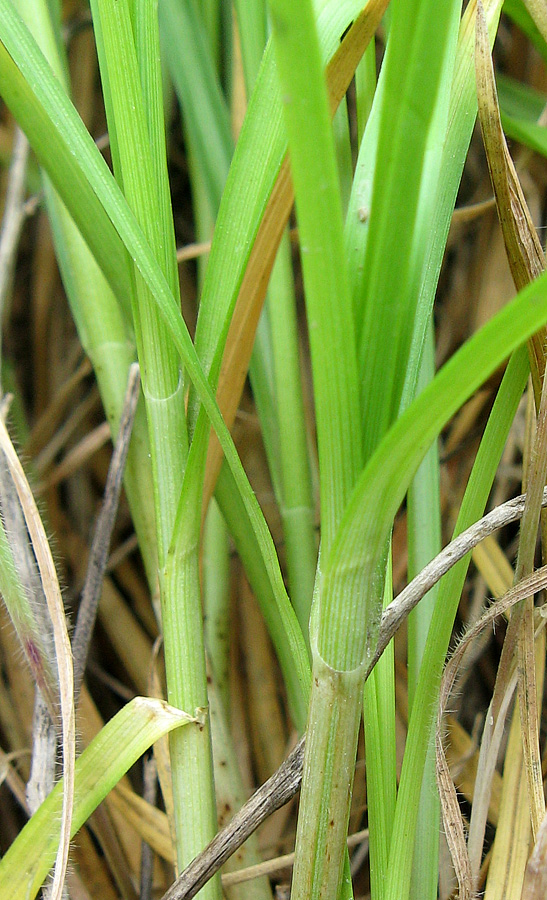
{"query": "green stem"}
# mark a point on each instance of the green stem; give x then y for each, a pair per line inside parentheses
(295, 497)
(216, 601)
(336, 697)
(135, 108)
(327, 781)
(191, 756)
(419, 732)
(381, 756)
(424, 542)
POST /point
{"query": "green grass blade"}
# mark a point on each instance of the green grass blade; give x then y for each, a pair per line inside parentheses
(519, 100)
(387, 232)
(341, 129)
(527, 133)
(436, 210)
(40, 22)
(216, 601)
(424, 542)
(50, 143)
(159, 359)
(261, 375)
(296, 497)
(143, 174)
(103, 330)
(116, 748)
(256, 163)
(351, 568)
(252, 27)
(381, 756)
(274, 371)
(365, 87)
(319, 216)
(147, 44)
(278, 398)
(426, 694)
(462, 102)
(414, 105)
(424, 532)
(521, 106)
(188, 57)
(461, 120)
(335, 708)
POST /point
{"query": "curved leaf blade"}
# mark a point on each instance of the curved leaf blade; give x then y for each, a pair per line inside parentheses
(101, 765)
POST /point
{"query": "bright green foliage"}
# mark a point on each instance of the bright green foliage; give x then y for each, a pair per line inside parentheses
(369, 290)
(521, 106)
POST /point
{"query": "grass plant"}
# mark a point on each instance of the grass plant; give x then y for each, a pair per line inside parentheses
(363, 116)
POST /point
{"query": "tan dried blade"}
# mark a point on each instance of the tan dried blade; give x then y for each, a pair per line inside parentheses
(512, 842)
(526, 261)
(535, 879)
(148, 821)
(452, 817)
(494, 566)
(524, 252)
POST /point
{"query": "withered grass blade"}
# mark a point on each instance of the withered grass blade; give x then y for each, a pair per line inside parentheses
(527, 262)
(453, 819)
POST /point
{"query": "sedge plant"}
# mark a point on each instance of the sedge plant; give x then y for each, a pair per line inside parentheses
(371, 241)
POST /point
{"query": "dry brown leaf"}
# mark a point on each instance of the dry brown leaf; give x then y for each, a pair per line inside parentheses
(527, 262)
(512, 842)
(452, 817)
(494, 566)
(78, 456)
(92, 868)
(148, 821)
(535, 879)
(524, 252)
(268, 728)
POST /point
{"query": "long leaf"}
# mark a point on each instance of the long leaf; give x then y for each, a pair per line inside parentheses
(80, 175)
(101, 765)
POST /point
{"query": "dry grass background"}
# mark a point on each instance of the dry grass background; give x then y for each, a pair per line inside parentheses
(57, 421)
